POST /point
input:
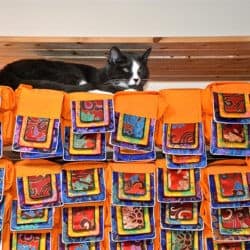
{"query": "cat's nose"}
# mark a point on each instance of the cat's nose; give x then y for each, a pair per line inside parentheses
(136, 80)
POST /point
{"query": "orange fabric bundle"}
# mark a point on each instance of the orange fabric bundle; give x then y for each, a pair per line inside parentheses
(77, 166)
(135, 167)
(37, 126)
(143, 104)
(36, 167)
(9, 174)
(207, 99)
(7, 119)
(7, 106)
(136, 115)
(38, 174)
(178, 106)
(33, 102)
(56, 232)
(6, 222)
(86, 115)
(7, 98)
(215, 168)
(9, 182)
(30, 168)
(160, 163)
(138, 168)
(79, 96)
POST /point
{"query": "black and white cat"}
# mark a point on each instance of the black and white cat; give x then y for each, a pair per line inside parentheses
(123, 71)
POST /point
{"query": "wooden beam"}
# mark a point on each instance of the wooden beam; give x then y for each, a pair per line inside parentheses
(125, 39)
(172, 58)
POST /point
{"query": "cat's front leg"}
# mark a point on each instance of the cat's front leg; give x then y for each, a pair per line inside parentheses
(130, 90)
(82, 82)
(97, 91)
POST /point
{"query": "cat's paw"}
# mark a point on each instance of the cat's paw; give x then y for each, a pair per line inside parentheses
(97, 91)
(130, 90)
(82, 82)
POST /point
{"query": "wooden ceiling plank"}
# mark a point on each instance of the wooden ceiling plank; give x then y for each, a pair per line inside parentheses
(209, 39)
(103, 54)
(177, 46)
(172, 58)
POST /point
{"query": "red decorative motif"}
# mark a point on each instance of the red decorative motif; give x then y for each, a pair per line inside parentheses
(36, 129)
(40, 187)
(233, 133)
(94, 109)
(28, 241)
(178, 180)
(231, 185)
(133, 218)
(235, 218)
(132, 245)
(83, 218)
(182, 133)
(234, 103)
(229, 246)
(134, 184)
(181, 211)
(82, 180)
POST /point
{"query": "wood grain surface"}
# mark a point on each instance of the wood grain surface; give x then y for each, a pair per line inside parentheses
(172, 59)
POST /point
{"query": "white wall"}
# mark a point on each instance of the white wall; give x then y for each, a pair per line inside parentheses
(124, 17)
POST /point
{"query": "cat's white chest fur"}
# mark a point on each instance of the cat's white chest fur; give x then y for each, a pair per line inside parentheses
(135, 78)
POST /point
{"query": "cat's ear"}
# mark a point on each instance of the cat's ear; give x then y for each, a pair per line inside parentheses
(115, 56)
(146, 54)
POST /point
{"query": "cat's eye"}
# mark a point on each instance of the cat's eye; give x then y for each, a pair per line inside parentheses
(126, 70)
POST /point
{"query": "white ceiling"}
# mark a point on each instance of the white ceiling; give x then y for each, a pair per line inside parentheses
(124, 17)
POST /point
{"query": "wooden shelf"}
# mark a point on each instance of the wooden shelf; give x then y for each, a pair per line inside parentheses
(172, 58)
(14, 156)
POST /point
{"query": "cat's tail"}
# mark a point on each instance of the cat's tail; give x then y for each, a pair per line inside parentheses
(8, 79)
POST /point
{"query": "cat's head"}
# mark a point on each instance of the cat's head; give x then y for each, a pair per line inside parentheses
(127, 70)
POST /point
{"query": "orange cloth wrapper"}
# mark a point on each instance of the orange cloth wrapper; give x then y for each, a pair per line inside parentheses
(178, 106)
(7, 108)
(143, 104)
(36, 167)
(207, 100)
(8, 193)
(105, 204)
(217, 167)
(7, 96)
(79, 96)
(42, 103)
